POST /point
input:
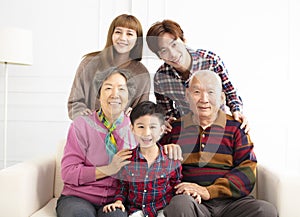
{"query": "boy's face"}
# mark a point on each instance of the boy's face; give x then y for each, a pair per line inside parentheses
(147, 130)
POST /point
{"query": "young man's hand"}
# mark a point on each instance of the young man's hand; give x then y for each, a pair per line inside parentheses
(238, 116)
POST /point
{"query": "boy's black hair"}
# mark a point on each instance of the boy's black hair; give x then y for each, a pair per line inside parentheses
(147, 108)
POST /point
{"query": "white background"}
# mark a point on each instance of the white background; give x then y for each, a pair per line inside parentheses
(258, 41)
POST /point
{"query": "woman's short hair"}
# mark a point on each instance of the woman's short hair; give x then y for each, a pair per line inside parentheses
(102, 76)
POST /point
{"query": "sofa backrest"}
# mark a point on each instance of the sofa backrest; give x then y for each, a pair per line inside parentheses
(58, 185)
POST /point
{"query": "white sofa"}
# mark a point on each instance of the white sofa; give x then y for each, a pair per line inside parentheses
(31, 188)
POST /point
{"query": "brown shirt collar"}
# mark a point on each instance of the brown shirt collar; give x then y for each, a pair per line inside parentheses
(220, 120)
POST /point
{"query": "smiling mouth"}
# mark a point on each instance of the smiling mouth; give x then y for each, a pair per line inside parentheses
(114, 103)
(203, 108)
(146, 140)
(122, 44)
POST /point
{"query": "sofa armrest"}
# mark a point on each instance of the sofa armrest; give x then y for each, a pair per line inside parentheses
(27, 186)
(280, 188)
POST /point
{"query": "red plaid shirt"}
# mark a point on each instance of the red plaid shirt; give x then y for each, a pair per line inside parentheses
(169, 86)
(148, 188)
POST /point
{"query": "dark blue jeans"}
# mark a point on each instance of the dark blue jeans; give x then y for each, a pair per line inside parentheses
(71, 206)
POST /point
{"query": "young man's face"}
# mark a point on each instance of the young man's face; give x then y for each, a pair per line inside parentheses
(173, 51)
(147, 130)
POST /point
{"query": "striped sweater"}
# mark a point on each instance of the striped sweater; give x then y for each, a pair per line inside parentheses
(219, 157)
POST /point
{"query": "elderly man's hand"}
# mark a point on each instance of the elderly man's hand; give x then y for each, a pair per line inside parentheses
(192, 189)
(173, 151)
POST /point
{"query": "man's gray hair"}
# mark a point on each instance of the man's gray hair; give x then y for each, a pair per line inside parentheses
(204, 73)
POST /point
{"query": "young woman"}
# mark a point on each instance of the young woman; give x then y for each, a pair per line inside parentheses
(123, 49)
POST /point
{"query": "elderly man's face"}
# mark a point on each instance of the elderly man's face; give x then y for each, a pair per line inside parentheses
(205, 96)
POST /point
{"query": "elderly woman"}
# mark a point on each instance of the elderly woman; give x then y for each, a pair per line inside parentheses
(97, 148)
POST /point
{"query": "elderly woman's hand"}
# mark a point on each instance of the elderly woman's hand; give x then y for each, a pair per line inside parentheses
(119, 160)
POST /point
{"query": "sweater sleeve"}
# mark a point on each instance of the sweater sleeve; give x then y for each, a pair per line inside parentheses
(73, 168)
(240, 180)
(83, 94)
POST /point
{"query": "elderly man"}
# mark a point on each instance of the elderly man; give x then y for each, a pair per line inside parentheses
(218, 159)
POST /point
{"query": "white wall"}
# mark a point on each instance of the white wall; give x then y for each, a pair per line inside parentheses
(257, 41)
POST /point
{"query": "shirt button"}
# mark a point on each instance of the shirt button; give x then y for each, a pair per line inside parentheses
(202, 145)
(143, 206)
(145, 190)
(203, 135)
(146, 176)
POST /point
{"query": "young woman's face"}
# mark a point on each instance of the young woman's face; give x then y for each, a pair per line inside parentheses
(124, 39)
(114, 95)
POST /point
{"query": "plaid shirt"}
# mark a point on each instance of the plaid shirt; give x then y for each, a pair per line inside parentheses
(148, 188)
(169, 86)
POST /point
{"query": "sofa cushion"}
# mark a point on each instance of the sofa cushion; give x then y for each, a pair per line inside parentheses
(48, 210)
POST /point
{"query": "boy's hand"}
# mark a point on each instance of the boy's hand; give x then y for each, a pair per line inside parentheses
(113, 206)
(173, 151)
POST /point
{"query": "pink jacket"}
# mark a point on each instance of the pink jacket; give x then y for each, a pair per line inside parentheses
(84, 150)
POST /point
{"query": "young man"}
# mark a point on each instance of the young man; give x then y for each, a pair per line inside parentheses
(147, 183)
(219, 163)
(167, 41)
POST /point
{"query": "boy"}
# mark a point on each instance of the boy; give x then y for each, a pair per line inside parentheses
(147, 183)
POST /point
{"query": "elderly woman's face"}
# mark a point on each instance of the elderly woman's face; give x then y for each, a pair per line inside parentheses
(114, 95)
